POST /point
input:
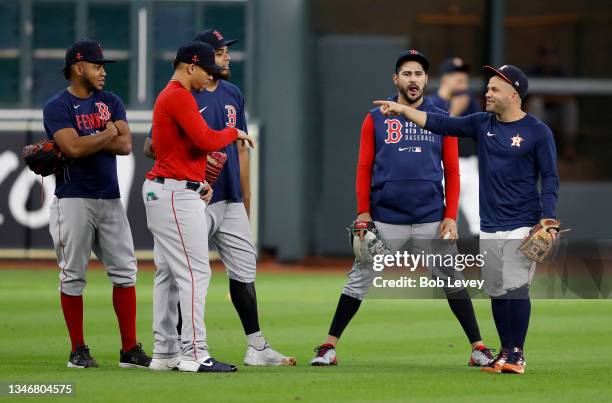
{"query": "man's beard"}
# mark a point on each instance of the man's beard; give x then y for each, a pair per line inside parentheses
(89, 83)
(225, 75)
(408, 98)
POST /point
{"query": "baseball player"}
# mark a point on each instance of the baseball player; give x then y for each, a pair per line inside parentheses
(454, 97)
(90, 126)
(515, 150)
(176, 215)
(399, 188)
(221, 104)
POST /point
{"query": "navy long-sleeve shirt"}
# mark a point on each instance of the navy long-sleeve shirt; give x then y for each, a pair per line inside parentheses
(511, 158)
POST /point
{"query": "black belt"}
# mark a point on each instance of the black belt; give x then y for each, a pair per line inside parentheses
(195, 186)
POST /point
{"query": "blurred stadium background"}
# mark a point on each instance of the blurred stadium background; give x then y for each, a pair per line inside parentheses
(309, 70)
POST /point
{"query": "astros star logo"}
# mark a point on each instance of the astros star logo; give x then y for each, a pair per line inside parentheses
(516, 141)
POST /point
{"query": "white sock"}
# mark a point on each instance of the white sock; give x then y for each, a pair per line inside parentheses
(257, 341)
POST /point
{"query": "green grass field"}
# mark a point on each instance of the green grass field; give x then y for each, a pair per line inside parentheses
(409, 350)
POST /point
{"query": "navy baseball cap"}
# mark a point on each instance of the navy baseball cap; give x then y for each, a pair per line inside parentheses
(199, 53)
(512, 75)
(453, 65)
(214, 38)
(412, 54)
(86, 50)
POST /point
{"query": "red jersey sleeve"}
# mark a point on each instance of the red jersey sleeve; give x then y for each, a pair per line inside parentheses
(184, 109)
(450, 157)
(365, 165)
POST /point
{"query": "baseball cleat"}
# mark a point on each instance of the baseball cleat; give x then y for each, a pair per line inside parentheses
(481, 357)
(80, 358)
(515, 363)
(164, 364)
(326, 355)
(267, 356)
(207, 365)
(495, 367)
(134, 358)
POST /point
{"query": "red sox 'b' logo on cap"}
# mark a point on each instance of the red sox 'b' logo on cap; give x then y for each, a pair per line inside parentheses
(195, 59)
(78, 56)
(218, 35)
(413, 52)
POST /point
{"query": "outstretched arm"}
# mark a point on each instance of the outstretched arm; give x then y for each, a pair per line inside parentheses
(394, 108)
(436, 123)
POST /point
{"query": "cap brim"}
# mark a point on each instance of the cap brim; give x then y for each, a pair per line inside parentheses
(99, 61)
(214, 68)
(492, 71)
(231, 42)
(465, 68)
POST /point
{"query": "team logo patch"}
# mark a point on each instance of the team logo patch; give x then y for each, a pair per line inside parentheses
(78, 56)
(195, 59)
(231, 116)
(218, 35)
(103, 111)
(151, 196)
(394, 131)
(516, 141)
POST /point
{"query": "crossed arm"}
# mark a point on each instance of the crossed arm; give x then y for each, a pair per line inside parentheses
(115, 139)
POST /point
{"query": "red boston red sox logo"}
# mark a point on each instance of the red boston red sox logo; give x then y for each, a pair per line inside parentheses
(231, 116)
(195, 59)
(103, 111)
(394, 131)
(218, 35)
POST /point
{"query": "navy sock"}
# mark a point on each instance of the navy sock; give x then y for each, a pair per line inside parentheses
(520, 311)
(346, 309)
(244, 299)
(461, 305)
(501, 315)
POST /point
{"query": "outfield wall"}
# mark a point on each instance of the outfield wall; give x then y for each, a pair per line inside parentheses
(25, 197)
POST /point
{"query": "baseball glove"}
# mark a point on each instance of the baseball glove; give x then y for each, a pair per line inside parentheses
(538, 245)
(373, 243)
(214, 165)
(44, 157)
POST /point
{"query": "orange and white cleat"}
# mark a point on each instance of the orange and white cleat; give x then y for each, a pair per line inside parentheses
(496, 366)
(516, 363)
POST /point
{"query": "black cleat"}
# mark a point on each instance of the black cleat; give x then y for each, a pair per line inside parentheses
(208, 365)
(134, 358)
(80, 358)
